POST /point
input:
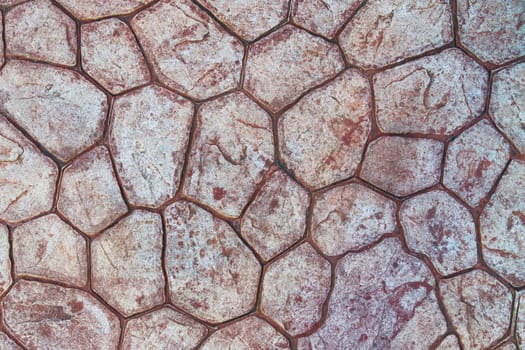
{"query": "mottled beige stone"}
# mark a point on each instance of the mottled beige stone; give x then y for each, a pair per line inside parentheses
(5, 261)
(94, 9)
(7, 343)
(449, 343)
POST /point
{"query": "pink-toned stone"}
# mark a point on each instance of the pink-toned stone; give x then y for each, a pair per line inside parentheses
(276, 218)
(322, 137)
(211, 273)
(502, 226)
(7, 3)
(2, 48)
(162, 329)
(246, 334)
(5, 261)
(7, 343)
(126, 263)
(383, 32)
(350, 217)
(437, 225)
(507, 346)
(61, 109)
(390, 304)
(188, 50)
(402, 165)
(232, 149)
(47, 316)
(148, 140)
(27, 178)
(285, 64)
(435, 94)
(47, 247)
(40, 31)
(449, 343)
(89, 195)
(474, 161)
(479, 307)
(94, 9)
(520, 321)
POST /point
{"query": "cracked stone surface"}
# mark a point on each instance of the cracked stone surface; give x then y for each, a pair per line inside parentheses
(5, 261)
(520, 327)
(94, 9)
(449, 343)
(7, 343)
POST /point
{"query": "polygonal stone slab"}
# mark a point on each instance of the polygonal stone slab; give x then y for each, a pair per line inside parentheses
(322, 137)
(283, 65)
(232, 149)
(148, 139)
(402, 165)
(507, 346)
(435, 94)
(89, 195)
(6, 3)
(48, 247)
(2, 48)
(449, 343)
(40, 31)
(7, 343)
(438, 226)
(479, 307)
(188, 50)
(211, 273)
(94, 9)
(61, 109)
(520, 322)
(47, 316)
(126, 263)
(377, 35)
(5, 260)
(390, 304)
(349, 217)
(474, 161)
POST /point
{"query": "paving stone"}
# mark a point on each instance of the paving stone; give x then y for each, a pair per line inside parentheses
(47, 247)
(27, 178)
(507, 103)
(322, 137)
(211, 273)
(434, 95)
(246, 334)
(449, 343)
(402, 165)
(520, 322)
(507, 346)
(89, 195)
(47, 316)
(7, 3)
(502, 226)
(62, 110)
(94, 9)
(225, 168)
(437, 225)
(390, 304)
(474, 161)
(5, 261)
(377, 35)
(40, 31)
(350, 217)
(2, 48)
(492, 30)
(7, 343)
(283, 65)
(126, 263)
(479, 307)
(148, 139)
(276, 218)
(111, 55)
(195, 55)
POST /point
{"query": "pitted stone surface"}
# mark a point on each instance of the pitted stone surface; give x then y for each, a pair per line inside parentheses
(7, 343)
(5, 261)
(449, 343)
(520, 321)
(507, 346)
(6, 3)
(94, 9)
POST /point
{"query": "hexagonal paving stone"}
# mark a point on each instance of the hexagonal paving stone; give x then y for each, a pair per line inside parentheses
(507, 103)
(7, 343)
(402, 165)
(94, 9)
(322, 137)
(435, 94)
(126, 263)
(438, 226)
(40, 31)
(502, 226)
(62, 110)
(111, 55)
(479, 307)
(520, 321)
(5, 260)
(89, 195)
(248, 18)
(276, 218)
(148, 139)
(389, 305)
(449, 343)
(474, 161)
(196, 55)
(225, 167)
(283, 65)
(47, 316)
(377, 35)
(492, 30)
(27, 177)
(48, 247)
(246, 334)
(211, 273)
(350, 217)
